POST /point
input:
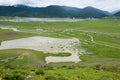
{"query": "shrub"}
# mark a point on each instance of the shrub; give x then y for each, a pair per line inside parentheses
(98, 67)
(13, 77)
(39, 72)
(50, 78)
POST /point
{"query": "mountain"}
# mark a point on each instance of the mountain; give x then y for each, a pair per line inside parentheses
(93, 12)
(13, 11)
(117, 14)
(52, 11)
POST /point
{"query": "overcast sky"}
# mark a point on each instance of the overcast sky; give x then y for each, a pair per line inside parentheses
(108, 5)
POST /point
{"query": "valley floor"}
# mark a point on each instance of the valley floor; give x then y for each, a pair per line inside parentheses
(81, 50)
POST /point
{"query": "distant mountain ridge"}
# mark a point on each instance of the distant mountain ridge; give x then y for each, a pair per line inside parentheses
(53, 11)
(117, 14)
(22, 6)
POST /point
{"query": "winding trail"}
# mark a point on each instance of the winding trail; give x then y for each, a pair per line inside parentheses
(91, 38)
(105, 33)
(14, 28)
(93, 41)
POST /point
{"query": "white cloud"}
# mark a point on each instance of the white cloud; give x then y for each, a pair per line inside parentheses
(109, 5)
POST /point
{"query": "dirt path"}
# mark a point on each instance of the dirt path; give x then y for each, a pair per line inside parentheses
(91, 38)
(14, 28)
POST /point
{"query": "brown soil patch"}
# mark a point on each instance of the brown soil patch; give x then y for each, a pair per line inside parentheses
(25, 53)
(10, 34)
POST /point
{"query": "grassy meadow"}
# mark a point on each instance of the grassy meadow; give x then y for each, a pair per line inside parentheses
(100, 61)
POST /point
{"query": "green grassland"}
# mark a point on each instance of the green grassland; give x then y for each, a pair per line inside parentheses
(100, 61)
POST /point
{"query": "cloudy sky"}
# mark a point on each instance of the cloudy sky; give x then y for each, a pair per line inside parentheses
(108, 5)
